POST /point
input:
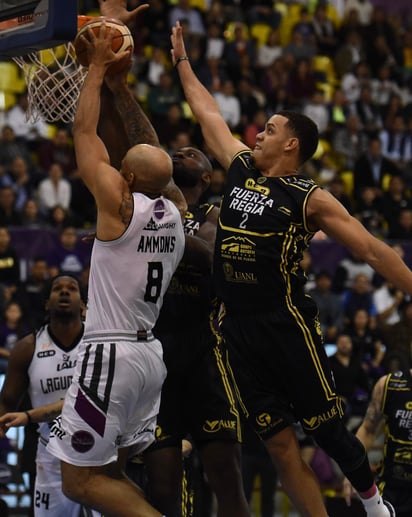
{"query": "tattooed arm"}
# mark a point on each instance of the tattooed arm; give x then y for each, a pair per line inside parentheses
(370, 427)
(374, 418)
(45, 413)
(138, 127)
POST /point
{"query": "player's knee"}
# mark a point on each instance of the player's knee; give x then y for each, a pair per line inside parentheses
(340, 444)
(284, 450)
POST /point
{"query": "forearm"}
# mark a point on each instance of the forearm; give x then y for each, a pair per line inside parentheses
(198, 252)
(46, 413)
(138, 127)
(387, 262)
(200, 100)
(88, 107)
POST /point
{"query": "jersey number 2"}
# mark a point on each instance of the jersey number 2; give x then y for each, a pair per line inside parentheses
(154, 282)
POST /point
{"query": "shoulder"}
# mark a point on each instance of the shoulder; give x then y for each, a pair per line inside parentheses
(243, 159)
(23, 349)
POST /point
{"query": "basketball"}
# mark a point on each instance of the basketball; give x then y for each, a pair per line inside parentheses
(122, 40)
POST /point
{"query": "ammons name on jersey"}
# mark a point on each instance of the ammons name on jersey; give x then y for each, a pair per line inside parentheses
(156, 244)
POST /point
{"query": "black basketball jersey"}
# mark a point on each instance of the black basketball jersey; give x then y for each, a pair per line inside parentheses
(189, 292)
(396, 468)
(261, 236)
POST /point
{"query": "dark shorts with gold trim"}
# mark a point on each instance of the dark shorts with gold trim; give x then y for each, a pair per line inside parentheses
(197, 395)
(280, 369)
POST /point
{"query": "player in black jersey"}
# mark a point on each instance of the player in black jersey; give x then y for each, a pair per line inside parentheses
(391, 407)
(269, 213)
(196, 396)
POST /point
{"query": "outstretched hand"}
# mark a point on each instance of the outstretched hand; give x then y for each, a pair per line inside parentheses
(118, 9)
(12, 420)
(178, 44)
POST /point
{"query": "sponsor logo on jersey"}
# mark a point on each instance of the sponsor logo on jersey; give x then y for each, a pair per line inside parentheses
(159, 209)
(315, 421)
(82, 441)
(243, 277)
(152, 226)
(46, 353)
(191, 226)
(156, 244)
(213, 426)
(56, 430)
(238, 248)
(66, 364)
(257, 186)
(252, 199)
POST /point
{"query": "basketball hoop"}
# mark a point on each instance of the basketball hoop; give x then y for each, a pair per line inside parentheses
(54, 79)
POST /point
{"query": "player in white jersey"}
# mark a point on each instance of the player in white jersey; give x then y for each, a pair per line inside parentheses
(113, 400)
(42, 364)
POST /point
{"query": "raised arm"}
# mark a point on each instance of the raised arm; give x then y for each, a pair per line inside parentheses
(326, 213)
(108, 187)
(129, 116)
(222, 144)
(138, 127)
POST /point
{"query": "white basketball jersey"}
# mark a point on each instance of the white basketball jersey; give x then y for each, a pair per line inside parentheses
(130, 275)
(50, 372)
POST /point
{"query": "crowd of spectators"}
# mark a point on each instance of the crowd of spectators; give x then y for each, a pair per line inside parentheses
(347, 65)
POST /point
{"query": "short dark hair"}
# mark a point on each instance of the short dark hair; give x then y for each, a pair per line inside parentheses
(49, 284)
(305, 130)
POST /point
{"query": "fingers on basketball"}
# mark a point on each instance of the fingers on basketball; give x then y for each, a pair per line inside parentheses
(121, 41)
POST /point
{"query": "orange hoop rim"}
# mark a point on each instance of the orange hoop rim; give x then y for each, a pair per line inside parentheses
(82, 19)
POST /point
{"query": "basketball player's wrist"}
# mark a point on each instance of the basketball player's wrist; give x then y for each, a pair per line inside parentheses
(29, 418)
(180, 59)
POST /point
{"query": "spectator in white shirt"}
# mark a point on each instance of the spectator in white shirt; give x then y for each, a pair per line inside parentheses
(54, 190)
(229, 104)
(16, 118)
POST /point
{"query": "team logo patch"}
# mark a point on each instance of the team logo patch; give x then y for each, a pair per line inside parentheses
(264, 420)
(82, 441)
(159, 209)
(46, 353)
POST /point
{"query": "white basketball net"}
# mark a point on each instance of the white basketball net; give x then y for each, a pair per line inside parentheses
(54, 79)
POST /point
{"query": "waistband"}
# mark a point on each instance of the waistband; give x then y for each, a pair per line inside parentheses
(118, 335)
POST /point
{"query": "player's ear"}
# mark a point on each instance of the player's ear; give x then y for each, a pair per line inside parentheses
(292, 143)
(206, 178)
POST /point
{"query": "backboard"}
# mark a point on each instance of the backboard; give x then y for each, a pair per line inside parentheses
(30, 25)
